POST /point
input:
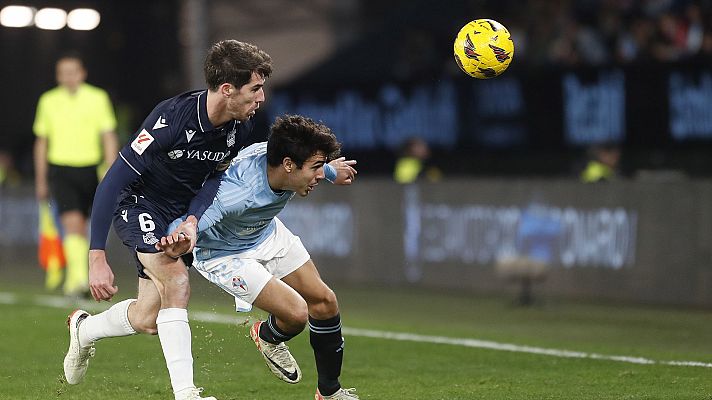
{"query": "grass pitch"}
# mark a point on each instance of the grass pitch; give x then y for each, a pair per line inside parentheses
(34, 340)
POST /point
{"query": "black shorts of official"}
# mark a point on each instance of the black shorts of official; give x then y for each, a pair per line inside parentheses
(140, 226)
(72, 188)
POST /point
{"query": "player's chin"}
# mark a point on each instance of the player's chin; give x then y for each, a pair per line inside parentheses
(305, 192)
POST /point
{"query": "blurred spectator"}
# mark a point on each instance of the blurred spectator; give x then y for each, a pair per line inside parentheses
(603, 163)
(8, 174)
(412, 164)
(75, 121)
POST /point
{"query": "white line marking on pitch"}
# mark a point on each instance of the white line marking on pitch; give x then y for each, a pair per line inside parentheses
(62, 302)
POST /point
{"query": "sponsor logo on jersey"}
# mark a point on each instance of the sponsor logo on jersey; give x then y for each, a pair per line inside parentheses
(206, 155)
(161, 123)
(150, 238)
(175, 154)
(189, 134)
(124, 215)
(142, 141)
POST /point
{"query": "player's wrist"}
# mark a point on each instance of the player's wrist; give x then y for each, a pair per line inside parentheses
(330, 173)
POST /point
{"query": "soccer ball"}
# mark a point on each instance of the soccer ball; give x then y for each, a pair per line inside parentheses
(483, 48)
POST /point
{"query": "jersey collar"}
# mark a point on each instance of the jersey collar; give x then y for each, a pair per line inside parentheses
(203, 120)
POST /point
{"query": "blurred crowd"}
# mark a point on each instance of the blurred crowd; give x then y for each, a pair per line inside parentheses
(598, 32)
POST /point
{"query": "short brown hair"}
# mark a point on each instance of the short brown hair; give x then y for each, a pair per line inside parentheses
(232, 61)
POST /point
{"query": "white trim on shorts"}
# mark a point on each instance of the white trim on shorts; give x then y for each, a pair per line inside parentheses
(245, 274)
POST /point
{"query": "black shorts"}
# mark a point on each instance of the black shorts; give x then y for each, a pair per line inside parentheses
(72, 188)
(140, 226)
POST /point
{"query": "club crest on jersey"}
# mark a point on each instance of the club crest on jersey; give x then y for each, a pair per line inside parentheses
(150, 238)
(142, 141)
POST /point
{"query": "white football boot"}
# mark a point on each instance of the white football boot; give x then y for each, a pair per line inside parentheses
(341, 394)
(192, 394)
(76, 361)
(277, 356)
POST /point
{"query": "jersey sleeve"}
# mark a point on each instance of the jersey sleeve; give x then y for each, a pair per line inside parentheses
(118, 177)
(233, 198)
(107, 117)
(155, 135)
(41, 125)
(204, 198)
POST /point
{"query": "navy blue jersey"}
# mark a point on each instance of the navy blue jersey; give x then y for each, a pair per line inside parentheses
(177, 148)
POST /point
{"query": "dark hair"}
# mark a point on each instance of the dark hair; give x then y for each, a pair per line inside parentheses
(231, 61)
(299, 138)
(71, 55)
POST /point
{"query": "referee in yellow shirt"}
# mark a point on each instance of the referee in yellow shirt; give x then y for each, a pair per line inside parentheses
(75, 121)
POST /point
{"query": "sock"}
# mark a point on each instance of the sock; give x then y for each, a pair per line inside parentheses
(328, 344)
(76, 248)
(113, 322)
(270, 332)
(174, 333)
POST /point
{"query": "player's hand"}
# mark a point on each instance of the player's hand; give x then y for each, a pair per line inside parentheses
(345, 172)
(181, 240)
(101, 278)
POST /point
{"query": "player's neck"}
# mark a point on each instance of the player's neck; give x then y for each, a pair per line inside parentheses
(276, 179)
(217, 111)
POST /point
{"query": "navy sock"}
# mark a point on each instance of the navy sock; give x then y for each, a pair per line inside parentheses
(270, 332)
(328, 344)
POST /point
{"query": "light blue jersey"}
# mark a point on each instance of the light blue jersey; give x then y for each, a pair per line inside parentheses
(242, 213)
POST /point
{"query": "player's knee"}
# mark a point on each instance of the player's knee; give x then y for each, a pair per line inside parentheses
(325, 305)
(146, 325)
(177, 288)
(295, 317)
(300, 315)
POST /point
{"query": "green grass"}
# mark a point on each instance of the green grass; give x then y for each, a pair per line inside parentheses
(34, 339)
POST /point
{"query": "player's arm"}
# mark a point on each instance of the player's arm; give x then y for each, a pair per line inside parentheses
(182, 238)
(101, 282)
(340, 171)
(39, 151)
(135, 158)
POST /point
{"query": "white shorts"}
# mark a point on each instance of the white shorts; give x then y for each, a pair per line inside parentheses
(245, 274)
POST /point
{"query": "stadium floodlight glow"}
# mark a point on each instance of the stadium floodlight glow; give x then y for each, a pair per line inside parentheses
(83, 19)
(16, 16)
(51, 18)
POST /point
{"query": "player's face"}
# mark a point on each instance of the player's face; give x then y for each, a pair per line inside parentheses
(70, 73)
(243, 102)
(303, 180)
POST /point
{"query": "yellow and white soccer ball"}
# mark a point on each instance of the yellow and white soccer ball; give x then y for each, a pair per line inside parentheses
(483, 48)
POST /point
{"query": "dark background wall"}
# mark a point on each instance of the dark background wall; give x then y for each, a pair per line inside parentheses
(627, 241)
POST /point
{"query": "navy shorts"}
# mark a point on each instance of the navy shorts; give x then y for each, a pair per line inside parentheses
(139, 226)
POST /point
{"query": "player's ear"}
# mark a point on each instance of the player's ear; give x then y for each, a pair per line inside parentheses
(288, 164)
(226, 89)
